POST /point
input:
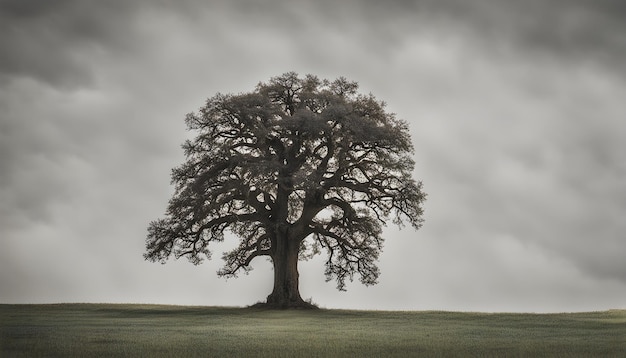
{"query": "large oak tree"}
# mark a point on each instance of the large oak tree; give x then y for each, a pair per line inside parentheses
(298, 167)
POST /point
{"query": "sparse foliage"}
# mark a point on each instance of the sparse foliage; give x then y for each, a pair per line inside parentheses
(298, 167)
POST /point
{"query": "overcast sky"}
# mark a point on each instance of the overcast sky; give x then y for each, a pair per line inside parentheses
(517, 111)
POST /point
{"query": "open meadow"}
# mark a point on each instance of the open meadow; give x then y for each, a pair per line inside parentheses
(105, 330)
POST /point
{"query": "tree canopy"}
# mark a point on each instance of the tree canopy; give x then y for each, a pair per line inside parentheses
(298, 167)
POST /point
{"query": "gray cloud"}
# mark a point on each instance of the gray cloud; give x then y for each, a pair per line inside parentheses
(515, 109)
(528, 165)
(48, 40)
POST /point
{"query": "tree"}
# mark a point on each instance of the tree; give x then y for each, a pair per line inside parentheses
(298, 167)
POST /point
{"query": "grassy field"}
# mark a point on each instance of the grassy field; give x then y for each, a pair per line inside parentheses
(105, 330)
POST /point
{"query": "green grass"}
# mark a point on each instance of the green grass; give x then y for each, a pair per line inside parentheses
(105, 330)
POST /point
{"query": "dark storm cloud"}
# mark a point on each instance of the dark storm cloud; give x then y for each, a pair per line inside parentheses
(582, 31)
(62, 115)
(47, 40)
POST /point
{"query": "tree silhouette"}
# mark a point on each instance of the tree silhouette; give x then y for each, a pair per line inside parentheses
(298, 167)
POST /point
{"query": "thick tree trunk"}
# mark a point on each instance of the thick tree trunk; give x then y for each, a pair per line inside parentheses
(286, 292)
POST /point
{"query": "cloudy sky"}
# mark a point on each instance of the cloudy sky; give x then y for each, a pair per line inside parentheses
(517, 112)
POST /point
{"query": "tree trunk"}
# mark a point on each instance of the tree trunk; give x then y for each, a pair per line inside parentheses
(286, 293)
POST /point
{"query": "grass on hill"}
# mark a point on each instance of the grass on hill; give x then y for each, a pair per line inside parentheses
(108, 330)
